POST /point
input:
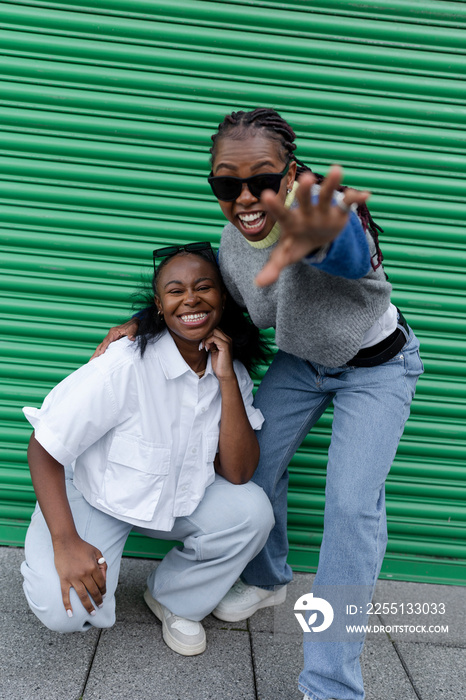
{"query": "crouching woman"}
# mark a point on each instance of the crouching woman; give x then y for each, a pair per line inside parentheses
(156, 436)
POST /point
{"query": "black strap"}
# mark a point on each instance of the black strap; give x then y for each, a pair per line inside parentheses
(385, 350)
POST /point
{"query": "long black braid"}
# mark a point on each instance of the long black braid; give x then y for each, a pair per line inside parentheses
(237, 125)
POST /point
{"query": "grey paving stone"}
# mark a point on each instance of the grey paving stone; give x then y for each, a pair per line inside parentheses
(11, 591)
(130, 606)
(423, 597)
(38, 663)
(439, 673)
(132, 661)
(383, 674)
(278, 661)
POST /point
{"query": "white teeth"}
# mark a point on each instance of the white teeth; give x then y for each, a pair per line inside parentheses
(187, 318)
(251, 217)
(252, 220)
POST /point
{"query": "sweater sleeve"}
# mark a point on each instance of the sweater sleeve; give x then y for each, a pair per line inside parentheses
(347, 256)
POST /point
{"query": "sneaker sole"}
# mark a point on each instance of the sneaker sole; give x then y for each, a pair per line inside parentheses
(170, 641)
(238, 616)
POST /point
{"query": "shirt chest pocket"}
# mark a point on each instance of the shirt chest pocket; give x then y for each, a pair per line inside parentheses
(134, 476)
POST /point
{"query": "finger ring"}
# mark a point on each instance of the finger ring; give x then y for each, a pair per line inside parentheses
(341, 204)
(101, 560)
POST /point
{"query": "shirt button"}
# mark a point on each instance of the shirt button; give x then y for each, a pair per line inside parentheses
(194, 450)
(204, 409)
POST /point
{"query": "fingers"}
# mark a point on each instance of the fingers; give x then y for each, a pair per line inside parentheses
(217, 340)
(128, 329)
(352, 196)
(269, 201)
(83, 591)
(100, 577)
(103, 570)
(303, 193)
(83, 595)
(90, 589)
(100, 349)
(65, 594)
(112, 335)
(331, 183)
(279, 259)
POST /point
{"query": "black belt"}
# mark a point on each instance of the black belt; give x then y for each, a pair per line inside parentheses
(385, 350)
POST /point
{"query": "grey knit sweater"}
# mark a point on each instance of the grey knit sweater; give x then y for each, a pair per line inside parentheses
(317, 316)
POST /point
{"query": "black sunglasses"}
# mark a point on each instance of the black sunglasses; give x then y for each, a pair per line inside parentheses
(200, 247)
(227, 189)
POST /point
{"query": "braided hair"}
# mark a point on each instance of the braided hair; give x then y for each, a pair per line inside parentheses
(237, 125)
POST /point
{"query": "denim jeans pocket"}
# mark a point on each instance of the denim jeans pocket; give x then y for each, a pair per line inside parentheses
(409, 356)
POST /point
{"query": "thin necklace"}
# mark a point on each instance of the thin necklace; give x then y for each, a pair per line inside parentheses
(201, 373)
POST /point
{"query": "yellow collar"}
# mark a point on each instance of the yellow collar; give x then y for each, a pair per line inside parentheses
(274, 234)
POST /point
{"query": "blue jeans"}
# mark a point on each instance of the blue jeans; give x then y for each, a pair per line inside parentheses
(371, 406)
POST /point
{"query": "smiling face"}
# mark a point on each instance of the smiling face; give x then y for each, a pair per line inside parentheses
(252, 155)
(191, 297)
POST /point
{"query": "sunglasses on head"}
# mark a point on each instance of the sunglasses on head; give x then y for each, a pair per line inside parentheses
(203, 246)
(227, 189)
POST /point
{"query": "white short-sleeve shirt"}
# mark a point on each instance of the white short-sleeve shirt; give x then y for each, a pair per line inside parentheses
(141, 433)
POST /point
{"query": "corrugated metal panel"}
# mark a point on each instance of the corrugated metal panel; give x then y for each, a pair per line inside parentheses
(106, 112)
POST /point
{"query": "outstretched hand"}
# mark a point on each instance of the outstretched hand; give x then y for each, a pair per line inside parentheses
(308, 226)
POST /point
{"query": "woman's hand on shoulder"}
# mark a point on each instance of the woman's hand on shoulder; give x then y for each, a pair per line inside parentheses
(220, 347)
(128, 329)
(77, 566)
(309, 226)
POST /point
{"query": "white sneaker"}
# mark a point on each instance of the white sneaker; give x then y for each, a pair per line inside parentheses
(242, 601)
(186, 637)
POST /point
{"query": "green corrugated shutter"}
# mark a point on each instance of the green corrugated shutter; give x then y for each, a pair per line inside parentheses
(105, 116)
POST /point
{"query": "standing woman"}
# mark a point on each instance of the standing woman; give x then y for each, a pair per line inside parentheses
(308, 266)
(306, 261)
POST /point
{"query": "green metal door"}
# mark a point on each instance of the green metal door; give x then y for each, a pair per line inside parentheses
(106, 112)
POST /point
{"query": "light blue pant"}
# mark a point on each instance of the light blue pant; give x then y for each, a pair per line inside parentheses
(227, 529)
(371, 406)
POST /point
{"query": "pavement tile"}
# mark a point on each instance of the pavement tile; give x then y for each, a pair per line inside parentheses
(132, 661)
(438, 672)
(38, 663)
(383, 674)
(11, 582)
(278, 661)
(423, 597)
